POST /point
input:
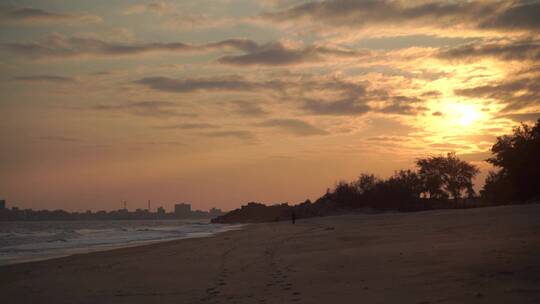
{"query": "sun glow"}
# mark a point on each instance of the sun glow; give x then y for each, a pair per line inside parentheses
(466, 114)
(455, 119)
(461, 114)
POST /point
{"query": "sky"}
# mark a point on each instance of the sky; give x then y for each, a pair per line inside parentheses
(222, 102)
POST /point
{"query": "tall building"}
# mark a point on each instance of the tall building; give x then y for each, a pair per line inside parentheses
(2, 204)
(182, 210)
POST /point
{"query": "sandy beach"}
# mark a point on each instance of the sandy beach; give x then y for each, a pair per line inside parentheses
(485, 255)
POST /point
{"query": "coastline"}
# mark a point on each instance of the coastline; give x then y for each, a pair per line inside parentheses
(109, 247)
(450, 256)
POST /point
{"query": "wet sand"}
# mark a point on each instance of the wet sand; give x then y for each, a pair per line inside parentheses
(487, 255)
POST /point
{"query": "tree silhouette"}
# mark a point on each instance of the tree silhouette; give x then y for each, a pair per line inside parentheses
(446, 176)
(365, 183)
(409, 180)
(518, 157)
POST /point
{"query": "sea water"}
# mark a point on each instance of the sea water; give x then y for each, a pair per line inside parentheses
(31, 241)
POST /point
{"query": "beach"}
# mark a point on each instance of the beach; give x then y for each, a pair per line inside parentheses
(482, 255)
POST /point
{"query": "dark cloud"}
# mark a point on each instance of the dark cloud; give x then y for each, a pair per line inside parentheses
(45, 78)
(522, 15)
(339, 107)
(247, 108)
(278, 54)
(245, 45)
(522, 117)
(345, 97)
(27, 15)
(524, 49)
(240, 84)
(515, 92)
(403, 105)
(294, 126)
(159, 109)
(57, 46)
(505, 15)
(431, 94)
(186, 85)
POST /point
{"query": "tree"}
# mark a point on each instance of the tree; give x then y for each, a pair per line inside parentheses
(497, 188)
(365, 183)
(410, 181)
(518, 157)
(446, 176)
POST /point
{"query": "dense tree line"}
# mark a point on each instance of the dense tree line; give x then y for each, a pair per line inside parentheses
(517, 157)
(442, 181)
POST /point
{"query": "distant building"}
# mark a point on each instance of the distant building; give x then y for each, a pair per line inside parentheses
(182, 210)
(161, 212)
(2, 204)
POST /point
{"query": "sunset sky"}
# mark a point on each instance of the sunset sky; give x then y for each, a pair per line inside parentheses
(222, 102)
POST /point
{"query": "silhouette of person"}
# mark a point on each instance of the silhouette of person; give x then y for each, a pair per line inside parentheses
(293, 217)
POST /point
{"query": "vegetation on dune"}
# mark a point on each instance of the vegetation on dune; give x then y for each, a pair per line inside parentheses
(517, 156)
(443, 181)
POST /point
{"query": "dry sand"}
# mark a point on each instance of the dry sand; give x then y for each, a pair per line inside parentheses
(488, 255)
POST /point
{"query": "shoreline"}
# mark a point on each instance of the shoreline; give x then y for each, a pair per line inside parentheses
(71, 251)
(120, 247)
(449, 256)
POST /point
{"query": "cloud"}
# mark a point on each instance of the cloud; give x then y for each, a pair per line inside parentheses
(403, 105)
(245, 45)
(522, 117)
(160, 8)
(388, 138)
(45, 78)
(247, 108)
(187, 85)
(57, 46)
(276, 54)
(516, 92)
(491, 15)
(158, 109)
(240, 134)
(172, 18)
(449, 146)
(523, 49)
(189, 126)
(294, 126)
(34, 16)
(353, 95)
(339, 107)
(521, 15)
(320, 96)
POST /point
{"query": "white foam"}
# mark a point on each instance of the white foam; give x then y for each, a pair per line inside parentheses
(30, 241)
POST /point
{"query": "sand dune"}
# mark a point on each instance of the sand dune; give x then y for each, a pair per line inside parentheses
(488, 255)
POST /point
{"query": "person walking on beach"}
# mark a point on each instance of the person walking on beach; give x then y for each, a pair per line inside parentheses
(293, 217)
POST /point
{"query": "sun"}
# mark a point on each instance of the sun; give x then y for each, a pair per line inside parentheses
(462, 114)
(467, 114)
(451, 118)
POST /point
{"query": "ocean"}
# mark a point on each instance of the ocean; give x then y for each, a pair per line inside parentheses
(41, 240)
